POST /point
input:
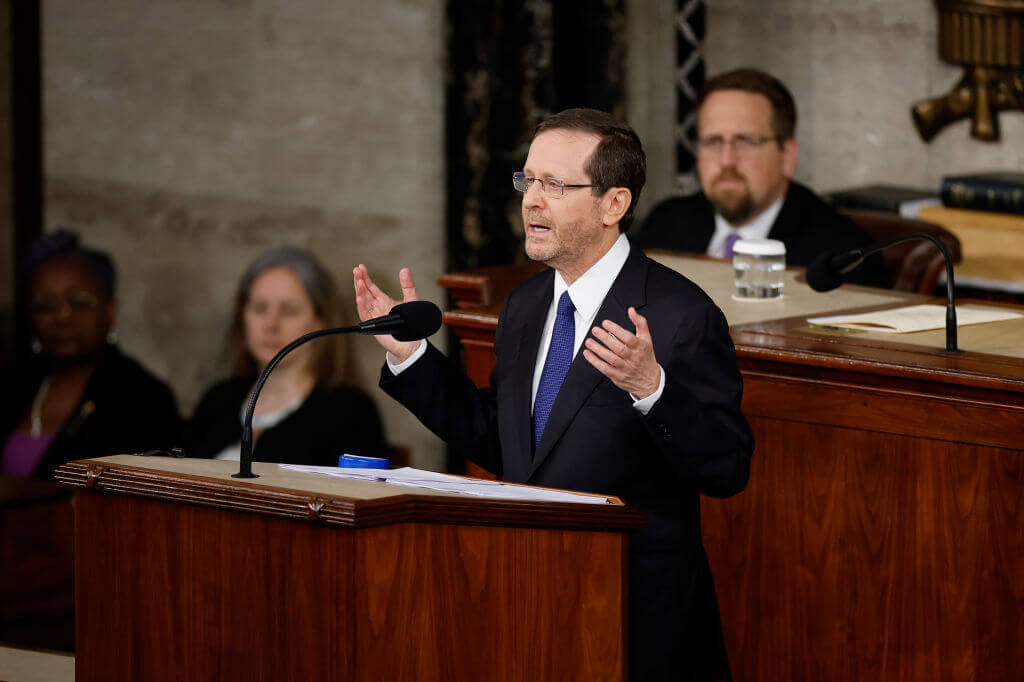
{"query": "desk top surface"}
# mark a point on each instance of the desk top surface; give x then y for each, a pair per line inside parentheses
(990, 272)
(798, 299)
(36, 665)
(799, 302)
(327, 499)
(993, 354)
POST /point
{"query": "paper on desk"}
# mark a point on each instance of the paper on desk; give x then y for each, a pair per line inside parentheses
(451, 484)
(915, 318)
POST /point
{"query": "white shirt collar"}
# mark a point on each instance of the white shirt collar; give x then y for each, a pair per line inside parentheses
(758, 228)
(589, 290)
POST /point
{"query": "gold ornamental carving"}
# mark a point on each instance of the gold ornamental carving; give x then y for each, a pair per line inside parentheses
(986, 37)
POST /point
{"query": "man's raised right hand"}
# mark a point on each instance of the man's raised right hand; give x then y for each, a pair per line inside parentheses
(371, 302)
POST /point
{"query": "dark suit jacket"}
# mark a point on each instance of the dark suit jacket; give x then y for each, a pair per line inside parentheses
(805, 224)
(124, 409)
(331, 421)
(693, 441)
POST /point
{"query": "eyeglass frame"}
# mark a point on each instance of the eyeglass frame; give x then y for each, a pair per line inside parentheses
(521, 176)
(749, 143)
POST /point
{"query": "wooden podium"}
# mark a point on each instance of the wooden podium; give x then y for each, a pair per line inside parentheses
(881, 536)
(185, 573)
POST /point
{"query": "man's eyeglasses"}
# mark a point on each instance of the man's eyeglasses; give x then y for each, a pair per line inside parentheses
(741, 145)
(549, 187)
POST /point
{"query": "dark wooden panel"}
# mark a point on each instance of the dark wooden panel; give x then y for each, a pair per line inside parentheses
(910, 410)
(177, 592)
(856, 555)
(519, 604)
(488, 284)
(36, 565)
(173, 592)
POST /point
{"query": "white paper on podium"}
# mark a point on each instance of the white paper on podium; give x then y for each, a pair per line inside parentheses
(915, 318)
(432, 480)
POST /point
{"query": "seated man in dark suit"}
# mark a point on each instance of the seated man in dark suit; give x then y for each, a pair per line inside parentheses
(746, 156)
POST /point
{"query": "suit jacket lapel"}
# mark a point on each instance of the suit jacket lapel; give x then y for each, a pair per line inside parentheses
(527, 336)
(699, 228)
(787, 224)
(581, 380)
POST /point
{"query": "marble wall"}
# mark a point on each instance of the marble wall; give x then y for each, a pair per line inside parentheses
(650, 92)
(187, 137)
(855, 68)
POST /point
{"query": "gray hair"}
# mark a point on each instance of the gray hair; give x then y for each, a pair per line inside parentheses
(317, 282)
(332, 352)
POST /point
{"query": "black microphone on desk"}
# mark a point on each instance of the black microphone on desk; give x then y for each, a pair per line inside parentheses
(826, 272)
(410, 321)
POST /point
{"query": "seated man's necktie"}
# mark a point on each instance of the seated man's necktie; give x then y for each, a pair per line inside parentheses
(730, 242)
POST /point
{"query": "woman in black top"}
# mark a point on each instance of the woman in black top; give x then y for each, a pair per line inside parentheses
(303, 415)
(78, 396)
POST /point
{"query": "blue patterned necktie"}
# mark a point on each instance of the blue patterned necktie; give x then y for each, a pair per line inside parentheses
(730, 243)
(555, 366)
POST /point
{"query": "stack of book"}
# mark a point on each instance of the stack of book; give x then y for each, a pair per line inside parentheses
(996, 191)
(906, 201)
(985, 211)
(1002, 192)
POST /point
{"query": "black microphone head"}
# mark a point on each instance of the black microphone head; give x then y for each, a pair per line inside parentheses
(420, 319)
(821, 276)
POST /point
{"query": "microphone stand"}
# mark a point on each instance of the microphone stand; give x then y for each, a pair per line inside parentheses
(245, 456)
(948, 257)
(409, 321)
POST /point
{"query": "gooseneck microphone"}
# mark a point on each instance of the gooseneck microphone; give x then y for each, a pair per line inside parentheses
(409, 321)
(826, 272)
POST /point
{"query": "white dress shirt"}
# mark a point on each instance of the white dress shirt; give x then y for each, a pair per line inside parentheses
(587, 294)
(758, 228)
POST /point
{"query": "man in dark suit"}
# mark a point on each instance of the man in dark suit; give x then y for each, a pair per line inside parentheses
(746, 156)
(646, 407)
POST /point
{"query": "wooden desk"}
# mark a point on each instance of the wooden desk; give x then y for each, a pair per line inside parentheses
(882, 534)
(981, 233)
(1003, 274)
(185, 573)
(992, 244)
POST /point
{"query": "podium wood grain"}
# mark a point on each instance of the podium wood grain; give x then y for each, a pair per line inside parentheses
(198, 576)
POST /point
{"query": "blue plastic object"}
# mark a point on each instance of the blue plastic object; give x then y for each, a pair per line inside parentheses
(357, 462)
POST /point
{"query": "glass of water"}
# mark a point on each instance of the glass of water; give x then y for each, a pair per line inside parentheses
(758, 266)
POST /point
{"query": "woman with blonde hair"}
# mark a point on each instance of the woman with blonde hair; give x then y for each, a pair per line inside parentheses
(304, 415)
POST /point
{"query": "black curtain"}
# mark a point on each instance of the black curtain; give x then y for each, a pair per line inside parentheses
(510, 64)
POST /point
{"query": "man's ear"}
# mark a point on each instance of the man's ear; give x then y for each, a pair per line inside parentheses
(790, 150)
(616, 202)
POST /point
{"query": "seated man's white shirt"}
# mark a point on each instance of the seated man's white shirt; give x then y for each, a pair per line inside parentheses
(758, 228)
(587, 294)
